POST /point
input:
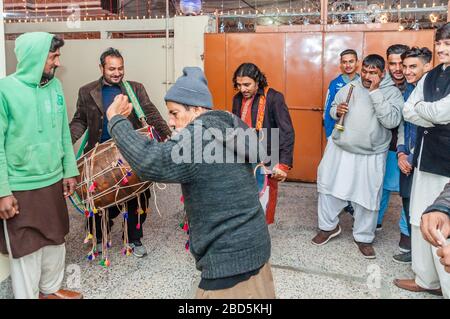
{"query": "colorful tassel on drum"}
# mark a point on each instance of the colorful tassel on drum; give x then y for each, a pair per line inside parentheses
(139, 212)
(93, 187)
(124, 181)
(185, 227)
(88, 238)
(105, 263)
(127, 251)
(92, 254)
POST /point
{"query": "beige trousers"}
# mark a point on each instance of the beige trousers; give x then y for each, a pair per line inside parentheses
(430, 273)
(259, 286)
(41, 271)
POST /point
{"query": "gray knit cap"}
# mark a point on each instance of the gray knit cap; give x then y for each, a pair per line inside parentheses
(191, 89)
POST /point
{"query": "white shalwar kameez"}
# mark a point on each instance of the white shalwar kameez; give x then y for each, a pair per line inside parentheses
(357, 178)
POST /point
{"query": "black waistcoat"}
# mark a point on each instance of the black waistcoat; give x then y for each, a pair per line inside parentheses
(436, 140)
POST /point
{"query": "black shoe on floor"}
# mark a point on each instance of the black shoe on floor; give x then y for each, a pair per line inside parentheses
(403, 258)
(349, 209)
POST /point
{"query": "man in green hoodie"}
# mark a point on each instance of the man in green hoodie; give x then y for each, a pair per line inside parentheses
(37, 169)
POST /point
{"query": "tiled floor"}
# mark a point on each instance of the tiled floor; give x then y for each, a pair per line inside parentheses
(301, 270)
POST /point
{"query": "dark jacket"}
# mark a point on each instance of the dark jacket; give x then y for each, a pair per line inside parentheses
(442, 203)
(90, 112)
(228, 234)
(276, 116)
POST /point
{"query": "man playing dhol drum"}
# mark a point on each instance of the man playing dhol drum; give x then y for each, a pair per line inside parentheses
(93, 102)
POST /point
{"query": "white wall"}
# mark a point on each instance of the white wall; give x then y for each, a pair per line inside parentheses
(144, 62)
(189, 41)
(4, 264)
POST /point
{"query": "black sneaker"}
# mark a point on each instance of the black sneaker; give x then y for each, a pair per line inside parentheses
(404, 258)
(349, 209)
(379, 227)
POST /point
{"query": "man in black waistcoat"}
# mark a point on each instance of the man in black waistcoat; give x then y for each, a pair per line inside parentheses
(429, 108)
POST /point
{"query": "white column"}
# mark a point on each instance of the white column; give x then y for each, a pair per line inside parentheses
(189, 42)
(4, 263)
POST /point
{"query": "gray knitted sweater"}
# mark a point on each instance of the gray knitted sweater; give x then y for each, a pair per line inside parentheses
(442, 203)
(227, 229)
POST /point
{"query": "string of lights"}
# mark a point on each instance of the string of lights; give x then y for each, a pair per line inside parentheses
(241, 15)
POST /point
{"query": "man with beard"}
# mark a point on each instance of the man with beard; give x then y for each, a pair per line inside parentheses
(37, 170)
(93, 102)
(416, 62)
(352, 167)
(392, 174)
(228, 235)
(262, 107)
(428, 108)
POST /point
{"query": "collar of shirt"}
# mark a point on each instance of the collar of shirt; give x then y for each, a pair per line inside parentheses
(346, 78)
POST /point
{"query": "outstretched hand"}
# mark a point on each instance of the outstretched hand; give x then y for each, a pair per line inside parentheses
(120, 106)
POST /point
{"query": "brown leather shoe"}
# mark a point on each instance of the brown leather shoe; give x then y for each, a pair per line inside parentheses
(366, 249)
(323, 236)
(410, 285)
(62, 294)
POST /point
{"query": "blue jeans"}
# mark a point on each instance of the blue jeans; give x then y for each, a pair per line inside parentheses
(402, 223)
(391, 183)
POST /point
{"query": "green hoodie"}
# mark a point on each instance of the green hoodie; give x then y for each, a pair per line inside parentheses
(35, 145)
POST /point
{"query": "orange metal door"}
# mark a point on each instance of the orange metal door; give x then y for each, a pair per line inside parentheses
(304, 98)
(378, 42)
(308, 140)
(215, 67)
(264, 50)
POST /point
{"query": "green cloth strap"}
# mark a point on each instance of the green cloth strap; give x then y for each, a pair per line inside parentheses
(134, 101)
(83, 144)
(137, 109)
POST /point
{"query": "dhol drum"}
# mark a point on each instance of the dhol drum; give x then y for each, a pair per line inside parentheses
(106, 179)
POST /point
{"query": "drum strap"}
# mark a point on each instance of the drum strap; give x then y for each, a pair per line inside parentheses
(137, 109)
(135, 102)
(83, 145)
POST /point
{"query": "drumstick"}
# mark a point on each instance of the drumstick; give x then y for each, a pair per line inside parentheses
(349, 95)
